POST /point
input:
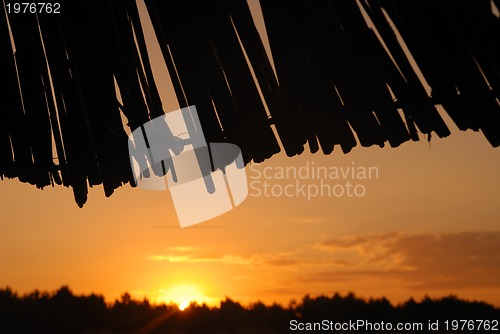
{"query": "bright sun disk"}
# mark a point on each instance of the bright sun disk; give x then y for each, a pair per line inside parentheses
(184, 305)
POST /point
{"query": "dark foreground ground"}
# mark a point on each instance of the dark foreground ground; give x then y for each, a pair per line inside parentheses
(63, 312)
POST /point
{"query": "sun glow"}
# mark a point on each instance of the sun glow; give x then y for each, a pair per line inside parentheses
(183, 295)
(184, 305)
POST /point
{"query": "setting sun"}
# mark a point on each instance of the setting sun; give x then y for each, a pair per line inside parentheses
(183, 295)
(184, 305)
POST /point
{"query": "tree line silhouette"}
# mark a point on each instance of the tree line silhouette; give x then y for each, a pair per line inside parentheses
(65, 312)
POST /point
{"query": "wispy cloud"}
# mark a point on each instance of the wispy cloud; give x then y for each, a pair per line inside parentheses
(308, 220)
(225, 259)
(194, 255)
(412, 261)
(420, 261)
(182, 249)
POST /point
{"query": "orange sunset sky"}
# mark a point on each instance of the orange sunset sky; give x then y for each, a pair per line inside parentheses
(429, 224)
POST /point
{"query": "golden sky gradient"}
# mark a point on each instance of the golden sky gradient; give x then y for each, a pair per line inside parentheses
(428, 225)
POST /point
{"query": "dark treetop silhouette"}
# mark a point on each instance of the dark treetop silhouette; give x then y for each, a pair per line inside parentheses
(63, 312)
(334, 78)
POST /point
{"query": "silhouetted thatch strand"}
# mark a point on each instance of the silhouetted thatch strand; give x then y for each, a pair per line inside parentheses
(335, 82)
(449, 63)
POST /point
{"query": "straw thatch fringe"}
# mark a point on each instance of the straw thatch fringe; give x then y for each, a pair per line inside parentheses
(343, 77)
(60, 89)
